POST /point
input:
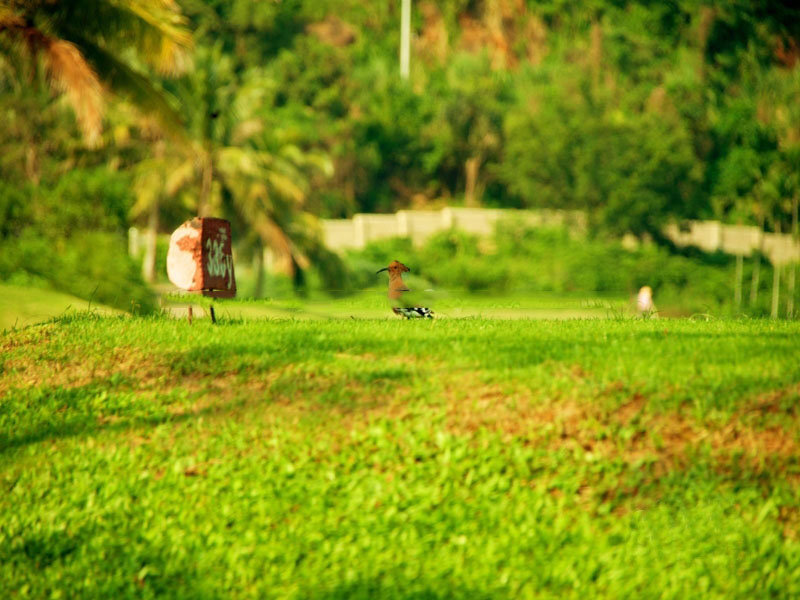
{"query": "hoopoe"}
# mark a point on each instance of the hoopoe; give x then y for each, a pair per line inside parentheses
(397, 288)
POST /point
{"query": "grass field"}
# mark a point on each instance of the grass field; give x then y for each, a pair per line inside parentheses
(372, 304)
(25, 305)
(455, 458)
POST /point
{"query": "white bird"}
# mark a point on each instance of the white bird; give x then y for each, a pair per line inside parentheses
(398, 288)
(644, 302)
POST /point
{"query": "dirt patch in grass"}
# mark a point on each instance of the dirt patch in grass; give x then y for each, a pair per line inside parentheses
(290, 393)
(789, 518)
(772, 409)
(54, 369)
(33, 334)
(630, 432)
(649, 445)
(578, 420)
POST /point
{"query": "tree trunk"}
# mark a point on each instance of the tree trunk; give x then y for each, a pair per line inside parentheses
(32, 163)
(204, 201)
(790, 299)
(471, 167)
(259, 266)
(151, 243)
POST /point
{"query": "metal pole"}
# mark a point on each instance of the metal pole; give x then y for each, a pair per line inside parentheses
(405, 38)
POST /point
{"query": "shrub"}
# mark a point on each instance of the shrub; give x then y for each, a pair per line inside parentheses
(91, 265)
(71, 235)
(521, 258)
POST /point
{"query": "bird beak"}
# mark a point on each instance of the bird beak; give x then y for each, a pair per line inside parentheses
(383, 269)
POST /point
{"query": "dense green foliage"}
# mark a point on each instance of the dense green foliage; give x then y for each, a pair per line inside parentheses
(522, 259)
(637, 113)
(22, 304)
(361, 459)
(72, 235)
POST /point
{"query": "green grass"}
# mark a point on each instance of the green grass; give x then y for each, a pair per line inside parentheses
(25, 305)
(372, 304)
(458, 458)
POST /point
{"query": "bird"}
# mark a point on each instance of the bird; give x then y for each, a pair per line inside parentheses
(644, 302)
(398, 288)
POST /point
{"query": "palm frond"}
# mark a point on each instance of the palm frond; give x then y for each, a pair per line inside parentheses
(136, 87)
(147, 187)
(154, 29)
(70, 73)
(236, 162)
(164, 41)
(286, 187)
(321, 161)
(180, 176)
(249, 205)
(80, 43)
(67, 71)
(9, 19)
(246, 129)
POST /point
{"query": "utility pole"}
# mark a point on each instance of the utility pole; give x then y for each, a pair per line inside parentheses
(405, 38)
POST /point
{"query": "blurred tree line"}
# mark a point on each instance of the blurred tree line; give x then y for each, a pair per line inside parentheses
(277, 113)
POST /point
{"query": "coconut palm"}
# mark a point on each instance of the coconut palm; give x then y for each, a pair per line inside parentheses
(80, 45)
(232, 162)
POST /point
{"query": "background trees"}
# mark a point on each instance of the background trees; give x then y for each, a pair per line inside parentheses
(275, 114)
(80, 47)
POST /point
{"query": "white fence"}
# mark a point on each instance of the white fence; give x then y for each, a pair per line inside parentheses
(419, 225)
(741, 240)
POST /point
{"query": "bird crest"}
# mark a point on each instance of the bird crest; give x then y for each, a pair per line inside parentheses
(395, 268)
(398, 288)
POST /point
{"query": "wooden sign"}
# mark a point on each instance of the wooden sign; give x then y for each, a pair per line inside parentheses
(200, 258)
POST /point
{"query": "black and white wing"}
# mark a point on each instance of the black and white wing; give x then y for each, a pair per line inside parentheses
(415, 312)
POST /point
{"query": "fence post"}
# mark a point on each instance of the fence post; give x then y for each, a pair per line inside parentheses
(756, 275)
(738, 285)
(776, 289)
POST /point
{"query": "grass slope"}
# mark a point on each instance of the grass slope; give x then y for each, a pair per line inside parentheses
(143, 457)
(373, 304)
(24, 305)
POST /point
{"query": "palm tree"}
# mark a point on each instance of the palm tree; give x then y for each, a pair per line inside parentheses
(80, 45)
(231, 161)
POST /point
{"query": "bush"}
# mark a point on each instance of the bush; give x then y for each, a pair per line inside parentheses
(524, 259)
(91, 265)
(71, 236)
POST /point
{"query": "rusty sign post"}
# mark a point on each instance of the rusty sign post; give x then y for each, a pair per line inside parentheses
(200, 259)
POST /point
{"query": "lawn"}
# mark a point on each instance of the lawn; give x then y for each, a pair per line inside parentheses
(373, 304)
(26, 305)
(369, 458)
